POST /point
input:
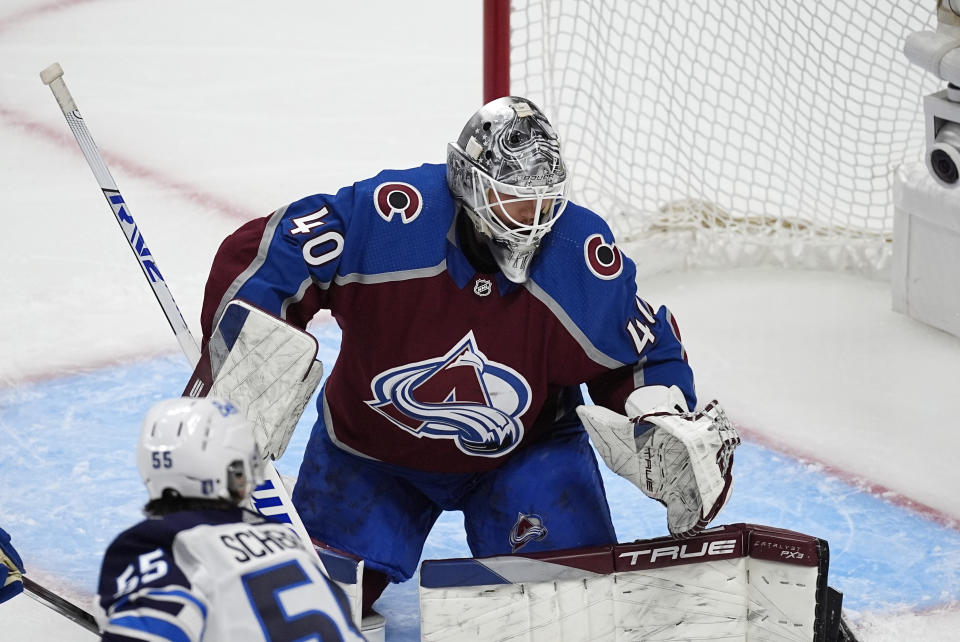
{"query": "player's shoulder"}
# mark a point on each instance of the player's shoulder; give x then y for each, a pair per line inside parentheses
(429, 178)
(588, 283)
(160, 532)
(408, 198)
(404, 193)
(578, 221)
(395, 221)
(581, 253)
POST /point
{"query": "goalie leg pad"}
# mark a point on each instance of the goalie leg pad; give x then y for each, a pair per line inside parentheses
(739, 582)
(347, 572)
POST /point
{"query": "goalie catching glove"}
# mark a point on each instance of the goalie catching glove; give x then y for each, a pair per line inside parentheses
(683, 460)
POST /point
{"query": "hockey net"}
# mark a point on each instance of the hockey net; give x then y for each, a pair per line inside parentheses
(731, 133)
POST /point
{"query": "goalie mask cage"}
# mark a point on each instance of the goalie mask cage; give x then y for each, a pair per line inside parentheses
(733, 133)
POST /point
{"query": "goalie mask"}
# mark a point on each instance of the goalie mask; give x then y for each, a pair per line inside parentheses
(198, 448)
(507, 172)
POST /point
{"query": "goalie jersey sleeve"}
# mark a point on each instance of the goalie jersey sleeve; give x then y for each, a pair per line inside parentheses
(216, 576)
(443, 368)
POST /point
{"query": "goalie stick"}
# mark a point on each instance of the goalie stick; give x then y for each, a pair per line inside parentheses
(52, 76)
(272, 495)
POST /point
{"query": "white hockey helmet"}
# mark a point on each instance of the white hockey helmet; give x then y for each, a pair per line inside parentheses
(198, 448)
(509, 153)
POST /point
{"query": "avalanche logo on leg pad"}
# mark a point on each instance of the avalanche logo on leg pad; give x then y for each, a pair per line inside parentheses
(397, 198)
(529, 528)
(462, 396)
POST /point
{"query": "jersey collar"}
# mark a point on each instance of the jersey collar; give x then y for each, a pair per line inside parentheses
(462, 271)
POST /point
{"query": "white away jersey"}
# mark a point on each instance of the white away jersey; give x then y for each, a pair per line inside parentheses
(217, 575)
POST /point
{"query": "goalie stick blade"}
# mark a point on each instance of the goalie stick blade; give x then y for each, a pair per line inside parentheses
(67, 609)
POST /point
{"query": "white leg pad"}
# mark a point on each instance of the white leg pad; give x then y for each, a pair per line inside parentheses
(731, 583)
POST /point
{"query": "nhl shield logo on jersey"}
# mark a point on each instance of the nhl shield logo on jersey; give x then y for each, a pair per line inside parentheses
(462, 396)
(397, 198)
(603, 259)
(529, 528)
(482, 287)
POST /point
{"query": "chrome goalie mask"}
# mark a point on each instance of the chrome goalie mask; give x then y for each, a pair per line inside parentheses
(507, 171)
(198, 448)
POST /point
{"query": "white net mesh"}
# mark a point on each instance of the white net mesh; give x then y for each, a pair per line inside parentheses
(731, 133)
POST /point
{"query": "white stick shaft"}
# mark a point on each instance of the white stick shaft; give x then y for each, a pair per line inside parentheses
(273, 498)
(53, 77)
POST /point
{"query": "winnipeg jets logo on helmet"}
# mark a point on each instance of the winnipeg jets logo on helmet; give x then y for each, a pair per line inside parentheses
(462, 396)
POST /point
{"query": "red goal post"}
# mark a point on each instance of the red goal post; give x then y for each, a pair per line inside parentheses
(715, 133)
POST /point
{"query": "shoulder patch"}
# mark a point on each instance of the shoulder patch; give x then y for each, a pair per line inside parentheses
(603, 259)
(397, 198)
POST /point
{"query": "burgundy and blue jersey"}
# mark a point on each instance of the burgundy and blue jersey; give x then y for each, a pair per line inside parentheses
(443, 368)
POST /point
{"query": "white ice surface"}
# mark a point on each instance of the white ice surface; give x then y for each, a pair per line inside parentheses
(818, 364)
(211, 113)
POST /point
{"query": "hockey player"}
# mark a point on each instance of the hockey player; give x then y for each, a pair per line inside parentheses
(11, 568)
(473, 300)
(200, 567)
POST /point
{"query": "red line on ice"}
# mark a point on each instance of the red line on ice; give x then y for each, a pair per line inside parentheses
(874, 488)
(60, 136)
(26, 15)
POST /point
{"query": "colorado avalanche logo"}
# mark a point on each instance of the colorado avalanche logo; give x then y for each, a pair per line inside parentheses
(461, 396)
(397, 198)
(529, 528)
(603, 259)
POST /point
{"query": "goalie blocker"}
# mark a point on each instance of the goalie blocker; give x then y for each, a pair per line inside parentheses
(264, 365)
(736, 582)
(269, 369)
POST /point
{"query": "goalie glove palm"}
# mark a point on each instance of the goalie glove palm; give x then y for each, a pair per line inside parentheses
(683, 460)
(688, 463)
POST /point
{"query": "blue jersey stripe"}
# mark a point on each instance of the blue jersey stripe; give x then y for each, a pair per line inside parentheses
(153, 626)
(182, 594)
